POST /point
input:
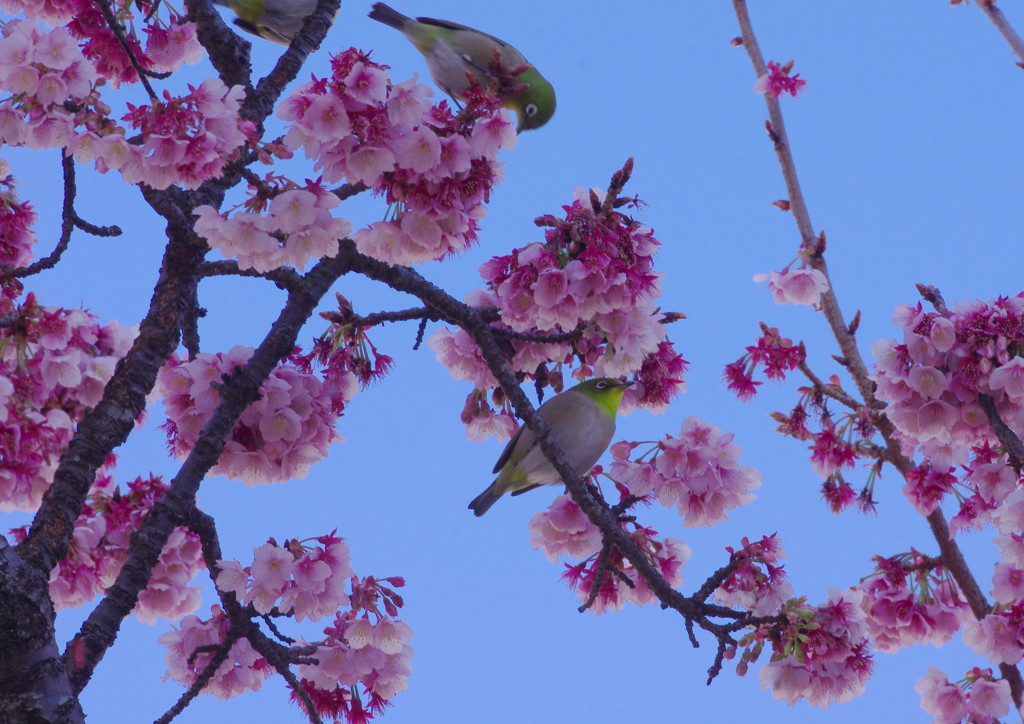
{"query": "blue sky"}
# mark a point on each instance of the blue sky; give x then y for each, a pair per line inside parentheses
(909, 149)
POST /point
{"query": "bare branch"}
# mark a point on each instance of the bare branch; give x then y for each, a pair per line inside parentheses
(995, 15)
(69, 220)
(284, 277)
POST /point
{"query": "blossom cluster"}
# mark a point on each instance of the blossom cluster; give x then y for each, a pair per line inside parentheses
(591, 263)
(437, 169)
(999, 636)
(359, 649)
(594, 271)
(697, 472)
(757, 582)
(41, 69)
(563, 529)
(775, 353)
(905, 608)
(345, 355)
(297, 228)
(298, 580)
(840, 438)
(277, 438)
(52, 82)
(365, 645)
(17, 219)
(54, 364)
(186, 139)
(979, 697)
(169, 43)
(822, 655)
(100, 544)
(933, 380)
(583, 299)
(242, 670)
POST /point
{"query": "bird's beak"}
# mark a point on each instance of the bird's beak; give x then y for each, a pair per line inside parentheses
(625, 384)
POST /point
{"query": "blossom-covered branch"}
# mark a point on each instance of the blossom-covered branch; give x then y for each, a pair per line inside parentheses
(928, 482)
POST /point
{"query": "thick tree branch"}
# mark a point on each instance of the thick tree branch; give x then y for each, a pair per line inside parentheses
(305, 42)
(239, 391)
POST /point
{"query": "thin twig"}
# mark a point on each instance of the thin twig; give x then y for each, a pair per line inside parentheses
(67, 225)
(827, 390)
(118, 30)
(995, 15)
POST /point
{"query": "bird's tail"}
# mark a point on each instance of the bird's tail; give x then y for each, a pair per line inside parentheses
(483, 502)
(389, 16)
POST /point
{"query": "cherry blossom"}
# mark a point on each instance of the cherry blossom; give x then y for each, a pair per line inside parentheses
(359, 127)
(53, 364)
(778, 81)
(697, 472)
(277, 438)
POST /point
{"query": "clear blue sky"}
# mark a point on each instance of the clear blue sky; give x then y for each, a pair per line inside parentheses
(909, 146)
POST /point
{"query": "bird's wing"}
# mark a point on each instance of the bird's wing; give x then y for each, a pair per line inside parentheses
(528, 443)
(449, 25)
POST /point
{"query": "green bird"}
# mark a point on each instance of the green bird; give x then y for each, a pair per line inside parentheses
(582, 421)
(275, 20)
(452, 50)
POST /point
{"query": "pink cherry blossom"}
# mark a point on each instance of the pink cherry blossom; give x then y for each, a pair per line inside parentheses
(778, 81)
(945, 701)
(697, 472)
(834, 661)
(757, 584)
(277, 438)
(799, 286)
(360, 127)
(56, 363)
(904, 609)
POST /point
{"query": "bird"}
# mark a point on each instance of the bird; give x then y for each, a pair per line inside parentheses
(451, 50)
(275, 20)
(582, 421)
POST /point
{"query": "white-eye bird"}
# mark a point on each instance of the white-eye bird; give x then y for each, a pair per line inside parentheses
(276, 20)
(582, 421)
(452, 50)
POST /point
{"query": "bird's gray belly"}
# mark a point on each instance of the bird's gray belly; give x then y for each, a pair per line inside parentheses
(579, 455)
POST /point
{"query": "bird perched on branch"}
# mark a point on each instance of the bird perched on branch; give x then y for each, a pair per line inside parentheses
(275, 20)
(582, 421)
(452, 50)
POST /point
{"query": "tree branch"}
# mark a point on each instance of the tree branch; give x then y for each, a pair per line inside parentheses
(238, 392)
(995, 15)
(952, 556)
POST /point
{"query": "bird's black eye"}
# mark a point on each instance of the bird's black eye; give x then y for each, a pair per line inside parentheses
(531, 109)
(601, 385)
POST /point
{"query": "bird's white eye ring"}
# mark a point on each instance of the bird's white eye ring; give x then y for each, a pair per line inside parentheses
(531, 109)
(601, 385)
